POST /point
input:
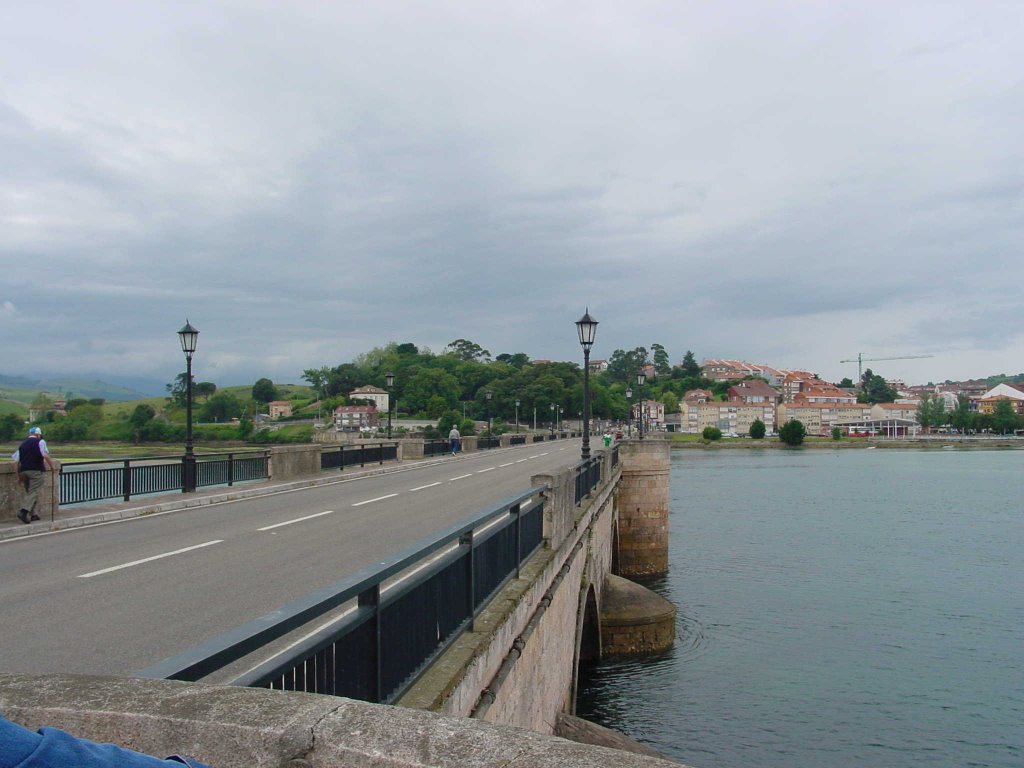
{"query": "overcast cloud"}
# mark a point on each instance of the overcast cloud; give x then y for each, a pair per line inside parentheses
(783, 182)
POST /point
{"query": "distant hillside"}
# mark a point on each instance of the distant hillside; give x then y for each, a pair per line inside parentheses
(71, 387)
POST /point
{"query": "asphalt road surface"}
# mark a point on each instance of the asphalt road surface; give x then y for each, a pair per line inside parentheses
(115, 598)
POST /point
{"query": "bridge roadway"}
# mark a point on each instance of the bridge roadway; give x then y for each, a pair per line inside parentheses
(115, 598)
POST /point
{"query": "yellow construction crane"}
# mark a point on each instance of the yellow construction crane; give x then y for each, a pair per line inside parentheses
(860, 362)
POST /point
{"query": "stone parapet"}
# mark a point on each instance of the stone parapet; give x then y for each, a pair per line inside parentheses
(12, 493)
(229, 727)
(289, 462)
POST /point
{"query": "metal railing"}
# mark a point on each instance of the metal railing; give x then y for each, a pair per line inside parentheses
(406, 612)
(588, 477)
(436, 447)
(357, 454)
(486, 443)
(137, 476)
(517, 440)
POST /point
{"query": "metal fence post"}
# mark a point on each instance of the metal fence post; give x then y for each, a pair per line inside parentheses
(126, 480)
(371, 599)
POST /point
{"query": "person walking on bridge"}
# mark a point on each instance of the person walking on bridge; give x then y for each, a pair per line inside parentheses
(33, 459)
(455, 439)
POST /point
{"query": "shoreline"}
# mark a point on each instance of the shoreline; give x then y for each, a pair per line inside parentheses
(847, 444)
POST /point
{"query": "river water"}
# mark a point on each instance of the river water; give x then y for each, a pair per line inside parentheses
(836, 608)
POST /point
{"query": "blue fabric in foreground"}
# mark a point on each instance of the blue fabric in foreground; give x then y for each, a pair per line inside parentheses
(53, 748)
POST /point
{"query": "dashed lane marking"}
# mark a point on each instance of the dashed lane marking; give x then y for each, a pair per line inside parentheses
(296, 520)
(421, 487)
(370, 501)
(149, 559)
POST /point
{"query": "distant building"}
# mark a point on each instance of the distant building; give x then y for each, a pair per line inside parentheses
(820, 418)
(754, 391)
(350, 418)
(1012, 392)
(379, 397)
(733, 417)
(280, 409)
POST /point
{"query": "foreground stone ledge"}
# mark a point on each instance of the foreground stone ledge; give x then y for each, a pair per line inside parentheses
(230, 727)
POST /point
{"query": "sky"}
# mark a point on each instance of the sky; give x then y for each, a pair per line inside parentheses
(790, 183)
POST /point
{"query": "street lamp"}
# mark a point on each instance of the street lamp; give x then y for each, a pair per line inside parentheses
(390, 379)
(517, 416)
(189, 337)
(552, 419)
(487, 397)
(586, 326)
(629, 417)
(641, 377)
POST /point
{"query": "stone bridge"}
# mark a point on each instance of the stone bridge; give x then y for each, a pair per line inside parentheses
(517, 666)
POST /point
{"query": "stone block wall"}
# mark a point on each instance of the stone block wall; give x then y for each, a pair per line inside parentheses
(12, 493)
(229, 727)
(643, 507)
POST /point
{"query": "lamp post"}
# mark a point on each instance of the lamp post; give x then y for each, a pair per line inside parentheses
(487, 398)
(390, 379)
(586, 327)
(629, 417)
(517, 416)
(552, 419)
(189, 337)
(641, 377)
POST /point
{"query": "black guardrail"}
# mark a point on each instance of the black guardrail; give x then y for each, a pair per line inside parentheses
(588, 476)
(357, 455)
(398, 625)
(84, 481)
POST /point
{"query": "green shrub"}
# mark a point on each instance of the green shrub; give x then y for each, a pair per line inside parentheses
(792, 432)
(837, 433)
(757, 429)
(712, 433)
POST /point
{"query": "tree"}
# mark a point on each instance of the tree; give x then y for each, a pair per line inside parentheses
(177, 390)
(671, 401)
(1004, 418)
(712, 433)
(837, 433)
(10, 426)
(464, 349)
(408, 348)
(223, 406)
(846, 383)
(873, 389)
(690, 366)
(623, 365)
(427, 384)
(757, 429)
(204, 389)
(792, 432)
(961, 416)
(660, 359)
(263, 391)
(143, 413)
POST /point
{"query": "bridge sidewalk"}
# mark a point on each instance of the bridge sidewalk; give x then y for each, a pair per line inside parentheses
(95, 513)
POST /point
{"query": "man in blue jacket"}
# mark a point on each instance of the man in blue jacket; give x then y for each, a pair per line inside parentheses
(52, 748)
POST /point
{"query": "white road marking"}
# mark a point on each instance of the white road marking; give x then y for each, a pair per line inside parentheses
(149, 559)
(521, 461)
(296, 520)
(507, 465)
(370, 501)
(421, 487)
(460, 477)
(481, 471)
